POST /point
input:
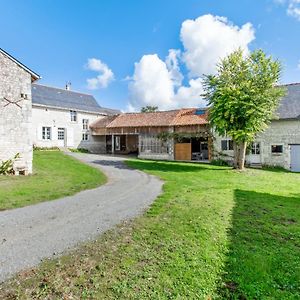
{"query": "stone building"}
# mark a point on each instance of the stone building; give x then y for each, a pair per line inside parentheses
(279, 144)
(16, 112)
(61, 118)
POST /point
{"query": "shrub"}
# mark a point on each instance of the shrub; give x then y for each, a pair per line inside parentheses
(219, 162)
(80, 150)
(7, 166)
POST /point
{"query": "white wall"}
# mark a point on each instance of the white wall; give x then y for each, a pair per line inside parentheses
(59, 118)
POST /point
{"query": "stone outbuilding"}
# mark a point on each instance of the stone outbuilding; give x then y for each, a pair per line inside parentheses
(181, 134)
(16, 112)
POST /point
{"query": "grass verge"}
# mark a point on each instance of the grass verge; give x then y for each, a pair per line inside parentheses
(214, 233)
(55, 175)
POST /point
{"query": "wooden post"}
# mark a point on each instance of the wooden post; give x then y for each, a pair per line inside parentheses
(112, 144)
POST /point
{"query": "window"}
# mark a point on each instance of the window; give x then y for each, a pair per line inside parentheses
(73, 115)
(85, 137)
(255, 148)
(277, 149)
(61, 134)
(85, 124)
(226, 145)
(46, 133)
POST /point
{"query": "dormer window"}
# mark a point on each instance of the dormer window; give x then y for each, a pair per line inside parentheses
(73, 115)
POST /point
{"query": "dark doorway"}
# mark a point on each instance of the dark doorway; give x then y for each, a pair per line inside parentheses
(199, 149)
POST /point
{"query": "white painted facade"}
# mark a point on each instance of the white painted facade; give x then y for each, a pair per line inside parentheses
(273, 147)
(53, 127)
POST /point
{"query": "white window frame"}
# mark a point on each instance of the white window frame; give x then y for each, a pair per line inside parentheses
(73, 115)
(255, 148)
(85, 136)
(46, 133)
(85, 124)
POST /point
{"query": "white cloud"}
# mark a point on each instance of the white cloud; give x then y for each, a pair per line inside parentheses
(208, 39)
(105, 77)
(205, 41)
(151, 84)
(154, 84)
(172, 62)
(293, 9)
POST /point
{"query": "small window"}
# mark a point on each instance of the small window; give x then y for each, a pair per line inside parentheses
(276, 149)
(46, 133)
(73, 115)
(226, 145)
(85, 124)
(255, 148)
(85, 137)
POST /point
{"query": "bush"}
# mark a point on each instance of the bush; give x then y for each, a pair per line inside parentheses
(7, 166)
(220, 162)
(80, 150)
(35, 148)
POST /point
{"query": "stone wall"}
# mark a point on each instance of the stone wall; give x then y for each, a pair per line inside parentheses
(15, 119)
(280, 132)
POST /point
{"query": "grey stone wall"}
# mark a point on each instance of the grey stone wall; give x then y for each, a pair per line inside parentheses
(15, 121)
(280, 132)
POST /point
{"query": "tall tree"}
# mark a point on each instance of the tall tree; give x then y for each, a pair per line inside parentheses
(149, 108)
(243, 96)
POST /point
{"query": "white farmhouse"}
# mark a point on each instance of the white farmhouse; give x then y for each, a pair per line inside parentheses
(61, 118)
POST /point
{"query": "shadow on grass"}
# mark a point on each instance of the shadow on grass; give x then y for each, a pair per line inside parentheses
(264, 248)
(172, 166)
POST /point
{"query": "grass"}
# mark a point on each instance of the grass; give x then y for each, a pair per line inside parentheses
(55, 175)
(214, 233)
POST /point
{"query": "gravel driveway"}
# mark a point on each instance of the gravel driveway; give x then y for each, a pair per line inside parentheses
(32, 233)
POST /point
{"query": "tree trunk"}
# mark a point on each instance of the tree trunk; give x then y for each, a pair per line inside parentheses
(239, 155)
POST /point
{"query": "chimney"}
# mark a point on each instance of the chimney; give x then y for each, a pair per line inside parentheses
(68, 86)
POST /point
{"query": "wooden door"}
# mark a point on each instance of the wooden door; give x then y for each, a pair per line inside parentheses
(183, 151)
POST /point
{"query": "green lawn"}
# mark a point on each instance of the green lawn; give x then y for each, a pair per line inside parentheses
(55, 175)
(215, 233)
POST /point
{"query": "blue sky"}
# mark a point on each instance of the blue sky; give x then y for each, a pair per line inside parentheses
(57, 38)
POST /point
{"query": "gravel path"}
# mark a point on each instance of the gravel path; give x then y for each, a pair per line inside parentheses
(32, 233)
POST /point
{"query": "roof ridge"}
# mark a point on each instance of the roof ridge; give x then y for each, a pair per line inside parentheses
(33, 74)
(152, 112)
(57, 88)
(288, 84)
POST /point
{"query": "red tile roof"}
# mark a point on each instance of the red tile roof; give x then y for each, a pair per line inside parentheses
(188, 116)
(179, 117)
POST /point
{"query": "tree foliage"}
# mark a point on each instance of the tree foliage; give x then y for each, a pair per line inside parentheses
(243, 95)
(149, 108)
